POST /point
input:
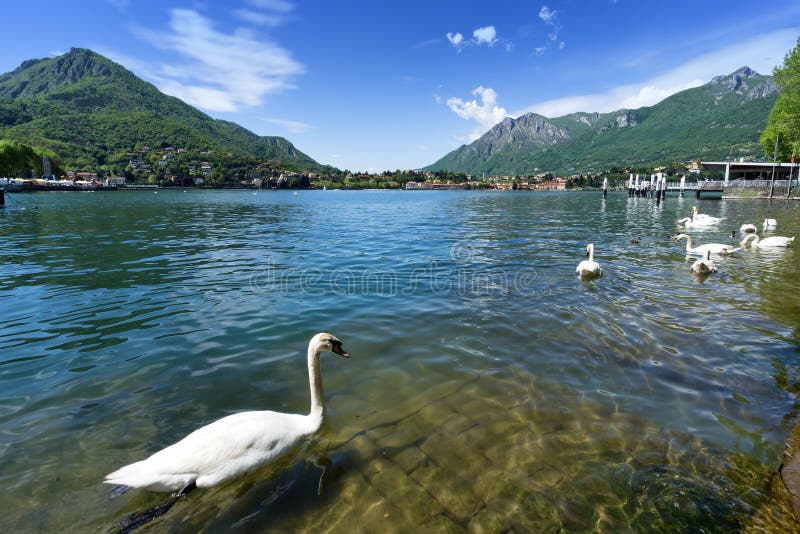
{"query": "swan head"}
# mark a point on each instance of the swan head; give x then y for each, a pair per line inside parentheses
(328, 342)
(680, 236)
(589, 249)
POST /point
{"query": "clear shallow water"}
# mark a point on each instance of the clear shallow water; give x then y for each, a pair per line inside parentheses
(488, 387)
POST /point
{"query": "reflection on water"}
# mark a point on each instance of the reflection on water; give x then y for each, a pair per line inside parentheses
(489, 389)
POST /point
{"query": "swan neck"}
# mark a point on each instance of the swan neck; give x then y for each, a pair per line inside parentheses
(317, 413)
(591, 253)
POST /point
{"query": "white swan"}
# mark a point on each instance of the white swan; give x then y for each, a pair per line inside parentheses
(233, 445)
(714, 248)
(589, 268)
(703, 217)
(769, 223)
(698, 220)
(767, 242)
(699, 223)
(747, 228)
(704, 265)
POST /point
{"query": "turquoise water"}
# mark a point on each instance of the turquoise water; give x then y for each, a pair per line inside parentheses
(488, 389)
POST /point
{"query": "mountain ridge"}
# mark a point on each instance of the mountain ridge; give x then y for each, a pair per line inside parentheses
(722, 118)
(86, 107)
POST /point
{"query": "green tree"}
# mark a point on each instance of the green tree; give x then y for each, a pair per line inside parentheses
(784, 119)
(18, 159)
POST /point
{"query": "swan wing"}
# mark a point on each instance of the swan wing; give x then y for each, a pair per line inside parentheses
(776, 241)
(714, 248)
(589, 268)
(216, 452)
(703, 266)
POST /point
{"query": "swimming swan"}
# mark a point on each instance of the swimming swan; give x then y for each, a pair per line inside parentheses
(699, 223)
(767, 242)
(589, 268)
(696, 217)
(769, 223)
(714, 248)
(233, 445)
(747, 228)
(704, 265)
(698, 220)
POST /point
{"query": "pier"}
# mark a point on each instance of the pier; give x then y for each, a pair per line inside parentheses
(708, 187)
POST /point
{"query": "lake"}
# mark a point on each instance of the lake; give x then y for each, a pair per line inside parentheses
(489, 389)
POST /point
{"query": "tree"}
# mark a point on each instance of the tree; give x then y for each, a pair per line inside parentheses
(784, 119)
(18, 159)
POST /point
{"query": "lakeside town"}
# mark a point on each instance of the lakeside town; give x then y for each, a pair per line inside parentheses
(149, 168)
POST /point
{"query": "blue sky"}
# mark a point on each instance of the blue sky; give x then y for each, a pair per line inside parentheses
(373, 85)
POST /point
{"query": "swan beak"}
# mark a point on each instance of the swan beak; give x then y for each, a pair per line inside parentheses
(337, 348)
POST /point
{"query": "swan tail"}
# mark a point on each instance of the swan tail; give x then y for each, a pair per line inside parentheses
(140, 475)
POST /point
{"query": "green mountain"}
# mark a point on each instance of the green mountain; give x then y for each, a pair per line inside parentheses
(90, 111)
(721, 119)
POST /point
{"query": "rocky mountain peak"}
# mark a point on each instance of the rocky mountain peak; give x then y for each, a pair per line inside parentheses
(39, 77)
(735, 81)
(80, 62)
(744, 82)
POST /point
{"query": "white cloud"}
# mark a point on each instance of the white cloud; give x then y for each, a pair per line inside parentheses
(425, 44)
(279, 6)
(291, 126)
(761, 53)
(437, 98)
(547, 15)
(456, 39)
(270, 13)
(222, 71)
(486, 113)
(486, 35)
(258, 18)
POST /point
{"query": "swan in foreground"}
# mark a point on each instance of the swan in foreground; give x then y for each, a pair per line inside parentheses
(769, 224)
(747, 228)
(589, 268)
(714, 248)
(767, 242)
(704, 265)
(234, 445)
